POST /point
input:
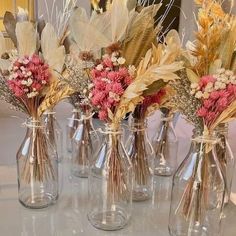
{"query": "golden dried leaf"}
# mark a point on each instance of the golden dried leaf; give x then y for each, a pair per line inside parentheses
(141, 34)
(56, 92)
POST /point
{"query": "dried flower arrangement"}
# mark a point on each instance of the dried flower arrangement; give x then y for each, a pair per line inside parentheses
(132, 62)
(205, 95)
(209, 78)
(29, 80)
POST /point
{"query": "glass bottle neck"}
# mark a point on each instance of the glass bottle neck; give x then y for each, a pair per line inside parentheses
(137, 125)
(32, 123)
(209, 141)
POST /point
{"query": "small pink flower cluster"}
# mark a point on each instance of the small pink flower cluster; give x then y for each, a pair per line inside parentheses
(217, 93)
(29, 75)
(153, 99)
(110, 79)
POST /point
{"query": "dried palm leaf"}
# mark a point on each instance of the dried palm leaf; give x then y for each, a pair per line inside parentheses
(150, 70)
(141, 34)
(228, 44)
(26, 38)
(9, 22)
(53, 53)
(84, 30)
(119, 20)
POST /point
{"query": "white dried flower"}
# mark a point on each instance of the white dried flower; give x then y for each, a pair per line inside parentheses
(29, 82)
(99, 67)
(90, 86)
(24, 82)
(194, 85)
(22, 68)
(221, 71)
(32, 94)
(229, 73)
(113, 59)
(114, 54)
(121, 60)
(43, 82)
(199, 94)
(114, 96)
(29, 73)
(209, 87)
(206, 95)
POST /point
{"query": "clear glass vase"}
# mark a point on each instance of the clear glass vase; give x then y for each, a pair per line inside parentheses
(84, 144)
(141, 154)
(165, 144)
(54, 132)
(226, 157)
(71, 128)
(198, 192)
(37, 168)
(110, 184)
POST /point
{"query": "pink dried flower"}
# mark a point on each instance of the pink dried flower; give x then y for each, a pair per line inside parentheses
(214, 95)
(117, 89)
(109, 83)
(107, 62)
(153, 99)
(103, 115)
(208, 103)
(205, 80)
(202, 112)
(210, 117)
(29, 74)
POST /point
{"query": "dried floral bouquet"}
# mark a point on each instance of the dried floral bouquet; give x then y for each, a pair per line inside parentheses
(205, 95)
(29, 82)
(132, 61)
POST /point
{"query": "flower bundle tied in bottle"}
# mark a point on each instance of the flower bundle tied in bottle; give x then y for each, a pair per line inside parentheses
(84, 51)
(29, 84)
(206, 97)
(132, 60)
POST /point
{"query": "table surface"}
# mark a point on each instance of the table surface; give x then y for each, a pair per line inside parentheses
(69, 215)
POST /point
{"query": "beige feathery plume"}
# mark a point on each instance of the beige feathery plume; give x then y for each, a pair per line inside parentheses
(26, 38)
(212, 32)
(53, 53)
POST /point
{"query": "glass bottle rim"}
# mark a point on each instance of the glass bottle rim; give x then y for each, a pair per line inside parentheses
(33, 123)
